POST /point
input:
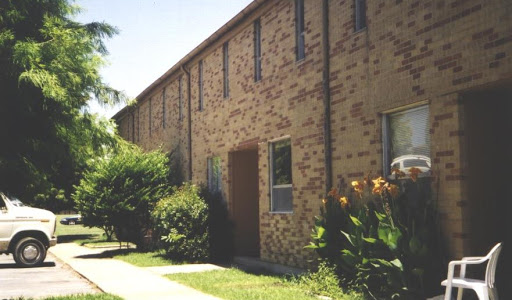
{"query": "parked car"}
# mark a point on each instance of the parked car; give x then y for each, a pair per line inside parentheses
(72, 220)
(25, 232)
(406, 162)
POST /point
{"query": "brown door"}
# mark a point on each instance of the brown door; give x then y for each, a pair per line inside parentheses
(245, 207)
(488, 122)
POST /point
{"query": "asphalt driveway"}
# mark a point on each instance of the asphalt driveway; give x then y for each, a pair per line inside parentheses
(53, 278)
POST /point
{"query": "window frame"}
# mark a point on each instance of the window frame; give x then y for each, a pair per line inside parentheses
(180, 98)
(300, 40)
(271, 175)
(149, 115)
(257, 50)
(386, 136)
(200, 85)
(164, 112)
(209, 174)
(359, 15)
(225, 69)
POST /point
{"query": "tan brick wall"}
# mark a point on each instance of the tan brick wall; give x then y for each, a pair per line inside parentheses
(411, 52)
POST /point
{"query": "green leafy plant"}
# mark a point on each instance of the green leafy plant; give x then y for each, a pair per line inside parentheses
(120, 191)
(181, 220)
(388, 242)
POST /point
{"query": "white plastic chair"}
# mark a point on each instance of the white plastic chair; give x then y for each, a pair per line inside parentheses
(485, 289)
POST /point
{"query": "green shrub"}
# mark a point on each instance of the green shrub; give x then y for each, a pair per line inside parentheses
(325, 282)
(120, 191)
(181, 220)
(220, 227)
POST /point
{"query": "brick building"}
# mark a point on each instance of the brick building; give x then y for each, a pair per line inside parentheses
(292, 96)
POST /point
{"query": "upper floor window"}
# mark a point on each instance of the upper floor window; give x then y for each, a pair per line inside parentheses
(150, 113)
(200, 80)
(257, 50)
(407, 140)
(281, 176)
(299, 29)
(225, 63)
(214, 174)
(180, 98)
(133, 127)
(360, 14)
(164, 113)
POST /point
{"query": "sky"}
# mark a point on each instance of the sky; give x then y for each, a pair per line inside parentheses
(154, 35)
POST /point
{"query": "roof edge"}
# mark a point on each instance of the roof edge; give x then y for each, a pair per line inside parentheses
(251, 7)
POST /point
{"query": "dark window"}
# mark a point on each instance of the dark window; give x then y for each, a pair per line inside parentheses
(200, 85)
(138, 123)
(257, 50)
(180, 98)
(299, 29)
(149, 117)
(214, 174)
(163, 108)
(225, 63)
(360, 14)
(133, 127)
(407, 140)
(281, 176)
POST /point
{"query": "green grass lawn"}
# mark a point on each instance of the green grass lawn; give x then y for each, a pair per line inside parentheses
(144, 259)
(235, 284)
(77, 233)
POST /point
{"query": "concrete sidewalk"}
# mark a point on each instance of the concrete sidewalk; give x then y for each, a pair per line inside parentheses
(123, 279)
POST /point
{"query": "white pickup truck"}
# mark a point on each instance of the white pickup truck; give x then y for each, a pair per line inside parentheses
(25, 232)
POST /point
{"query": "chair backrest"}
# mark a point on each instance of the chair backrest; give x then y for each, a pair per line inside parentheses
(490, 272)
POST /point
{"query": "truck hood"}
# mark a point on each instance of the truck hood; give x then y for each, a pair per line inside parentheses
(32, 213)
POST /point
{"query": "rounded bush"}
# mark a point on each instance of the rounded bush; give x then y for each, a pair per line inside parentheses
(181, 220)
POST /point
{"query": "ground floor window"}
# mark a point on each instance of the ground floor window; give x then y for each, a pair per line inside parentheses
(407, 140)
(214, 174)
(281, 176)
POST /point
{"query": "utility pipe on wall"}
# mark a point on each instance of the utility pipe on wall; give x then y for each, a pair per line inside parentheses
(327, 95)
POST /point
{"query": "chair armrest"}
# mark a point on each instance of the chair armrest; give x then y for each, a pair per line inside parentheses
(472, 258)
(475, 261)
(465, 261)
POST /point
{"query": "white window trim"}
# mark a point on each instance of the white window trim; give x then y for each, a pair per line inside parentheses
(271, 172)
(386, 168)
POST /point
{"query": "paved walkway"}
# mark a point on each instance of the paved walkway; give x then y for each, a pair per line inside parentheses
(123, 279)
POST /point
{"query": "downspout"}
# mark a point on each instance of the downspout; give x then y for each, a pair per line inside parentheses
(189, 96)
(327, 96)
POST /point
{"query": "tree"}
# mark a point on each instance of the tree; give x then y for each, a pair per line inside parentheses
(49, 70)
(121, 190)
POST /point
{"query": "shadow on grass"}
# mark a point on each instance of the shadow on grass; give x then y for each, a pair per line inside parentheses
(74, 237)
(109, 253)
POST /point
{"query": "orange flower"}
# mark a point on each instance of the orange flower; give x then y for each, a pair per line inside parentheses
(397, 172)
(414, 172)
(344, 202)
(378, 184)
(393, 190)
(333, 192)
(358, 187)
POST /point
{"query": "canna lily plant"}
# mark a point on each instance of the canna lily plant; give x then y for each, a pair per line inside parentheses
(379, 238)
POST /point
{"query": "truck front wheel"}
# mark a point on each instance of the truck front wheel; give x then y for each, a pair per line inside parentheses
(29, 252)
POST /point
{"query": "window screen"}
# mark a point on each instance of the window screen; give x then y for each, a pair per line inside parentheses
(408, 138)
(360, 14)
(257, 50)
(281, 176)
(299, 29)
(214, 174)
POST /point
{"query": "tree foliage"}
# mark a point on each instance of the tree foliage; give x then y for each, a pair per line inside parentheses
(120, 191)
(49, 70)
